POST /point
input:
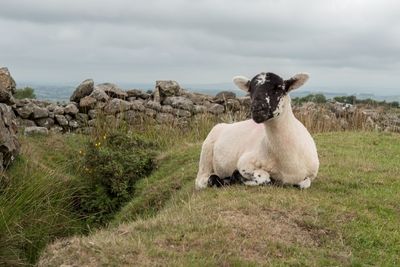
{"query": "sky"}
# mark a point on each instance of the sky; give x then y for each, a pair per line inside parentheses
(343, 45)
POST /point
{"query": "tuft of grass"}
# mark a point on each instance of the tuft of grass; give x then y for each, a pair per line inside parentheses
(348, 217)
(36, 204)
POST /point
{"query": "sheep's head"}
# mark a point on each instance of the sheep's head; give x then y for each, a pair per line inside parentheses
(268, 92)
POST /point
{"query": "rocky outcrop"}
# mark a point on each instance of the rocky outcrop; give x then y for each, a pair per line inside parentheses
(7, 87)
(9, 145)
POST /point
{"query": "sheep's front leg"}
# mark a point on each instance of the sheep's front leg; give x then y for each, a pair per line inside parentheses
(260, 177)
(253, 176)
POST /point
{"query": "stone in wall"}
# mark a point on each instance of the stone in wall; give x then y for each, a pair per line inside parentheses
(216, 109)
(166, 88)
(165, 118)
(7, 87)
(39, 112)
(136, 93)
(112, 90)
(87, 103)
(61, 120)
(84, 89)
(196, 98)
(71, 109)
(153, 105)
(182, 113)
(132, 117)
(117, 105)
(179, 102)
(99, 95)
(233, 105)
(138, 105)
(199, 109)
(9, 145)
(223, 96)
(45, 122)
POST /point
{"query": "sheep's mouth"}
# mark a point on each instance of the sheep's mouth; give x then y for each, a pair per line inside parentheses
(261, 116)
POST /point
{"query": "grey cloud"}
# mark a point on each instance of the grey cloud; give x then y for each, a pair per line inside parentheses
(200, 41)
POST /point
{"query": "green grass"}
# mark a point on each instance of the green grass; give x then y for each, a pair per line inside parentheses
(36, 199)
(40, 194)
(349, 217)
(174, 174)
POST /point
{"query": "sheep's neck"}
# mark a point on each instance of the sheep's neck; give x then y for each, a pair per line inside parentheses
(280, 131)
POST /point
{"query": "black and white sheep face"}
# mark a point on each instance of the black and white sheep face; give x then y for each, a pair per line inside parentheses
(268, 92)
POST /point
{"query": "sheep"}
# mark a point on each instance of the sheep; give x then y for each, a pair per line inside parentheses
(273, 145)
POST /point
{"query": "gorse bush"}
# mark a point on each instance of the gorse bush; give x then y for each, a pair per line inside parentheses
(111, 167)
(26, 92)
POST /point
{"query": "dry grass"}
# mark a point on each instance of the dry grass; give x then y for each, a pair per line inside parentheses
(348, 217)
(321, 121)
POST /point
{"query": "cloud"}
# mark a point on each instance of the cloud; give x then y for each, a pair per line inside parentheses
(201, 41)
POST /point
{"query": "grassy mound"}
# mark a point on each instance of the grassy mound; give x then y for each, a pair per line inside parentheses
(349, 216)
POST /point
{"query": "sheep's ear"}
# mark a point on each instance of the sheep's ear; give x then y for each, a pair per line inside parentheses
(296, 81)
(242, 82)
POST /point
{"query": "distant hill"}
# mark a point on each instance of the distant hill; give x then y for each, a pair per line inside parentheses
(330, 95)
(63, 92)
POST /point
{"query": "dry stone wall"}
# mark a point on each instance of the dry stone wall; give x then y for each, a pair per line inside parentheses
(168, 103)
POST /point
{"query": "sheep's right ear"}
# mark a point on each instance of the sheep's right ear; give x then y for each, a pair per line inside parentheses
(242, 82)
(296, 81)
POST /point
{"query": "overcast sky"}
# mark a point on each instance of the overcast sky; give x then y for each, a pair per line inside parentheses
(342, 44)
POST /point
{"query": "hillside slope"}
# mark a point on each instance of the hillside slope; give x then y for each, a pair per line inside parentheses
(349, 216)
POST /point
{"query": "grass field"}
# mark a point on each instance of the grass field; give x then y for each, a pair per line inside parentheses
(349, 217)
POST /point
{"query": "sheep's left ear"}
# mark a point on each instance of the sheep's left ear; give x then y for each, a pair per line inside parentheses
(296, 81)
(242, 82)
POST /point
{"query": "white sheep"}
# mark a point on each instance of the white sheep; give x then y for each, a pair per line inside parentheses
(271, 144)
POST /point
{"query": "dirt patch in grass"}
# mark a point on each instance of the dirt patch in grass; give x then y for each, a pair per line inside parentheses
(259, 231)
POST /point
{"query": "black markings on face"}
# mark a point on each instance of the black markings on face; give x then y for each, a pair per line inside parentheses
(266, 92)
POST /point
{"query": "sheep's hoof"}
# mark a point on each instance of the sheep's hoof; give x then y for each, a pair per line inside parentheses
(306, 183)
(267, 183)
(214, 180)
